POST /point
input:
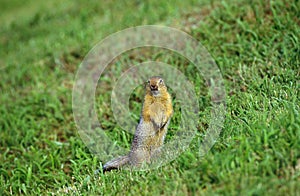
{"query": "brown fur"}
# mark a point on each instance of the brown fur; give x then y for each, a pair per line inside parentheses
(151, 131)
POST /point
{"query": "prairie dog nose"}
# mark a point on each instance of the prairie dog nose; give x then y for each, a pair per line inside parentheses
(153, 87)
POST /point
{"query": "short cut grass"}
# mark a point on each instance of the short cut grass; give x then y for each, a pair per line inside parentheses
(256, 45)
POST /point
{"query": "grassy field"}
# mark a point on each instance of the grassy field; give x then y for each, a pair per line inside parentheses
(255, 44)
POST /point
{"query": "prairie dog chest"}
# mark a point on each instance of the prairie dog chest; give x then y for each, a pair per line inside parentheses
(157, 108)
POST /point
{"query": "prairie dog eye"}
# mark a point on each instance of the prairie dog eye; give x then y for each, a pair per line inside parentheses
(148, 81)
(161, 81)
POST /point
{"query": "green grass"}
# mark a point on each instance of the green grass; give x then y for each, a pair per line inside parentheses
(255, 44)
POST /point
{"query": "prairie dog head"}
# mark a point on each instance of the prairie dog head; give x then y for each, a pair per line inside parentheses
(156, 86)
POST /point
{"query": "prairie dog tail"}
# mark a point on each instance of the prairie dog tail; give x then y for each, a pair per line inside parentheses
(116, 163)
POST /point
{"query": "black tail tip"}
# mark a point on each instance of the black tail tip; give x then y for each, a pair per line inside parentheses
(108, 168)
(102, 170)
